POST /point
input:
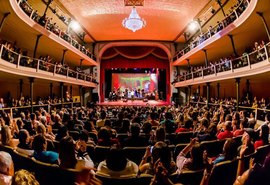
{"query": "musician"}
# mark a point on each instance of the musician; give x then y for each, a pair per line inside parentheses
(132, 95)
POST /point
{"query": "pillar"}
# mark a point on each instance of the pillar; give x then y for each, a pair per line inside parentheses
(63, 56)
(233, 45)
(206, 57)
(189, 92)
(70, 91)
(21, 88)
(3, 20)
(31, 80)
(51, 90)
(265, 24)
(248, 88)
(81, 61)
(62, 92)
(218, 90)
(237, 84)
(207, 94)
(199, 90)
(81, 94)
(36, 45)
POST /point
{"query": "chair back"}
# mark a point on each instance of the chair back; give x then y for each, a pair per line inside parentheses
(214, 148)
(183, 137)
(22, 161)
(101, 153)
(178, 149)
(187, 177)
(141, 180)
(226, 169)
(121, 137)
(134, 154)
(74, 135)
(261, 153)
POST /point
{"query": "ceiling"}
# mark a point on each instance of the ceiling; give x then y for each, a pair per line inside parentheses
(165, 19)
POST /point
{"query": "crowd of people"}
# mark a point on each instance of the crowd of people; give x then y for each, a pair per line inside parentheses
(234, 12)
(34, 134)
(257, 54)
(11, 53)
(48, 23)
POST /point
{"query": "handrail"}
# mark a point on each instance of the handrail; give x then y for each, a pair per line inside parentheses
(210, 31)
(48, 107)
(38, 64)
(232, 64)
(61, 34)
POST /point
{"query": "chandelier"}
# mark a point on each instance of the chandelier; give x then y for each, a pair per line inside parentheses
(134, 22)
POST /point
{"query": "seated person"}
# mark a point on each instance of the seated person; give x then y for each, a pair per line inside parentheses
(40, 146)
(6, 168)
(135, 140)
(226, 133)
(7, 138)
(105, 137)
(195, 162)
(24, 145)
(263, 140)
(117, 165)
(247, 142)
(24, 177)
(68, 157)
(160, 151)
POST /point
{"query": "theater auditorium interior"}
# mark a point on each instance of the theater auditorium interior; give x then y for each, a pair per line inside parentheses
(134, 92)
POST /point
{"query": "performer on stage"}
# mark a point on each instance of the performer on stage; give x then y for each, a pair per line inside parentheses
(132, 95)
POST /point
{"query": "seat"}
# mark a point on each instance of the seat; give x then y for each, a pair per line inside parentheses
(90, 150)
(171, 138)
(261, 153)
(188, 177)
(51, 174)
(134, 154)
(122, 137)
(247, 159)
(227, 168)
(7, 149)
(238, 140)
(183, 137)
(143, 179)
(101, 153)
(214, 147)
(22, 161)
(74, 135)
(93, 136)
(178, 149)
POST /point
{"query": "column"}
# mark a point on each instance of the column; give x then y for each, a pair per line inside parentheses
(21, 88)
(265, 24)
(218, 90)
(207, 94)
(63, 56)
(70, 91)
(206, 57)
(81, 61)
(81, 94)
(51, 90)
(237, 83)
(248, 88)
(62, 92)
(3, 20)
(47, 6)
(31, 80)
(36, 45)
(186, 93)
(199, 90)
(233, 45)
(189, 92)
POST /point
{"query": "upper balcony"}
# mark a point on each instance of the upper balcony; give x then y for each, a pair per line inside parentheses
(14, 63)
(26, 29)
(214, 40)
(256, 62)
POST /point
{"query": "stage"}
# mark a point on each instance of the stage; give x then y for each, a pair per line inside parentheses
(134, 103)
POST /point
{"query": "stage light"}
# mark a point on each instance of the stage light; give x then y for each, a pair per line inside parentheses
(194, 25)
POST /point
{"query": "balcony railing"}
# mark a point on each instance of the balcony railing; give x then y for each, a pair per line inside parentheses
(41, 65)
(229, 64)
(14, 112)
(50, 27)
(235, 14)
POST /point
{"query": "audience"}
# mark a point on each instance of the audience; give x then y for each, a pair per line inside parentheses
(6, 168)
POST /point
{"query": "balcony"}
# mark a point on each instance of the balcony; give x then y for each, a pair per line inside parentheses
(253, 63)
(14, 63)
(53, 41)
(234, 20)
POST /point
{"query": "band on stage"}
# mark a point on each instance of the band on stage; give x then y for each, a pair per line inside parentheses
(133, 94)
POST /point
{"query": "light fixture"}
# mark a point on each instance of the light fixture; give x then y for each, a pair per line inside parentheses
(194, 25)
(74, 25)
(134, 22)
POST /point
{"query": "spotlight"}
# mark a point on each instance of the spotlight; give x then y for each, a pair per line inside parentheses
(74, 25)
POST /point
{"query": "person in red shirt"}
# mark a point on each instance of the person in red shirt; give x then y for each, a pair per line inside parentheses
(240, 131)
(227, 131)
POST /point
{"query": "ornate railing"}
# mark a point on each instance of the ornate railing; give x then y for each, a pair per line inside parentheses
(40, 65)
(235, 14)
(48, 26)
(229, 64)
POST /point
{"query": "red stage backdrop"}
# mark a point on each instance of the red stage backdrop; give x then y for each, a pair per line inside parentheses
(134, 57)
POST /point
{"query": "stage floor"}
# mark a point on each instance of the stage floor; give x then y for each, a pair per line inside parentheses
(134, 103)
